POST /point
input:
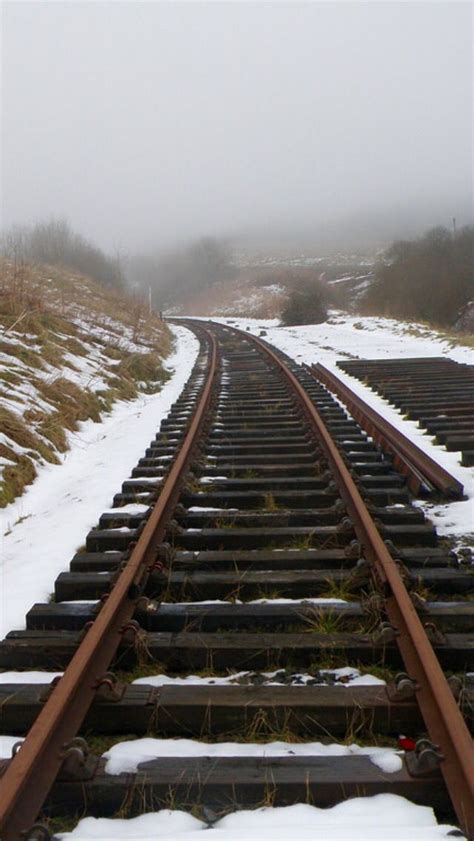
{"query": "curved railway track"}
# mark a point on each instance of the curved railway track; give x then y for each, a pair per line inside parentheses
(259, 484)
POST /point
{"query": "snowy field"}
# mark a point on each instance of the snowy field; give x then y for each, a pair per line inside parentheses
(41, 530)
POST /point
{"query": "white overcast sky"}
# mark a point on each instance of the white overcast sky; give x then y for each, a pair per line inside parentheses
(146, 122)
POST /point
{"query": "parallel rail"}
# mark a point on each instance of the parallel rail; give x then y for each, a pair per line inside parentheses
(422, 472)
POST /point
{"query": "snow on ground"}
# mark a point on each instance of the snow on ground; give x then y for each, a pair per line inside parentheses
(384, 816)
(344, 336)
(344, 676)
(28, 677)
(41, 530)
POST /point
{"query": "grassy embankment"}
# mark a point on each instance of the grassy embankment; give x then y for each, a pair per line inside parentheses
(69, 349)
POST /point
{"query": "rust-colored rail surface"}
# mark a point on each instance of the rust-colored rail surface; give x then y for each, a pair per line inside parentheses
(422, 472)
(27, 780)
(448, 732)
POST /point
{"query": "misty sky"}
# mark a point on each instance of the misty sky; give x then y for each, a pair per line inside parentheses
(147, 122)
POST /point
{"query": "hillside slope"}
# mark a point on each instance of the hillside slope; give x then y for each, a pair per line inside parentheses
(69, 349)
(262, 287)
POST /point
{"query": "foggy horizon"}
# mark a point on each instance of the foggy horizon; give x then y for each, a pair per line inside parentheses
(148, 124)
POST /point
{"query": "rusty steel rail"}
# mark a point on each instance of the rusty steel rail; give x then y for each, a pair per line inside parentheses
(421, 471)
(31, 773)
(451, 742)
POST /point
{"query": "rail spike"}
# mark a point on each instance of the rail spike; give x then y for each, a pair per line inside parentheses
(361, 574)
(131, 632)
(386, 633)
(457, 686)
(109, 688)
(79, 764)
(425, 760)
(164, 552)
(404, 688)
(354, 550)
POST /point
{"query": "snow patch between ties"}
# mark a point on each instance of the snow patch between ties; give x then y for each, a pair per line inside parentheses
(386, 816)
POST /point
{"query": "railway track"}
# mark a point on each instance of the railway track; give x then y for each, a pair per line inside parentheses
(262, 544)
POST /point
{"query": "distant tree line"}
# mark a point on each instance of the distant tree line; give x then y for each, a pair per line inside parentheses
(172, 274)
(55, 243)
(430, 278)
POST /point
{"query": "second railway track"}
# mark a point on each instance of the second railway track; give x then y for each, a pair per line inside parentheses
(281, 546)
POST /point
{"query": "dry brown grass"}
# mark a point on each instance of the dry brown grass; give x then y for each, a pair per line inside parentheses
(46, 314)
(15, 429)
(39, 299)
(22, 471)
